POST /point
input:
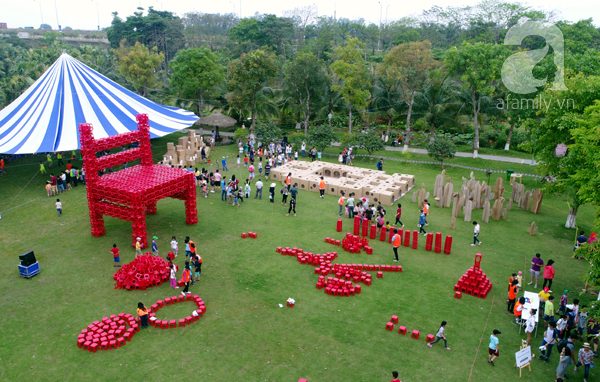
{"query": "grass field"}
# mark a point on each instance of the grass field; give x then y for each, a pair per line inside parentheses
(245, 335)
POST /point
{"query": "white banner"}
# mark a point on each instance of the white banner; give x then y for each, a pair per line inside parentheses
(532, 301)
(523, 356)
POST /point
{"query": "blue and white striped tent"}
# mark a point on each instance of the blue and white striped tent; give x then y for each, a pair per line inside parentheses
(45, 117)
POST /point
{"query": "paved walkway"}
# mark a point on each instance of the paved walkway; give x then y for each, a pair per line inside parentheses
(496, 158)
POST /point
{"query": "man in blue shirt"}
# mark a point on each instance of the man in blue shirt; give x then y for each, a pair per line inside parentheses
(154, 246)
(223, 188)
(380, 164)
(224, 163)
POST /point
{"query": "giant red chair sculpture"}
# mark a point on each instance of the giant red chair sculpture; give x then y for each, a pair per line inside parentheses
(131, 193)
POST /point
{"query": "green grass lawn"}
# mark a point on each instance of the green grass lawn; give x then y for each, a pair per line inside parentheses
(245, 335)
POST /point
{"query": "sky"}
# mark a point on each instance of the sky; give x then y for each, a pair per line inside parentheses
(84, 14)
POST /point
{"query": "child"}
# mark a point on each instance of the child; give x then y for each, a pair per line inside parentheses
(582, 322)
(58, 207)
(395, 375)
(204, 189)
(238, 161)
(247, 190)
(520, 278)
(260, 166)
(138, 247)
(42, 168)
(173, 276)
(267, 170)
(561, 325)
(388, 227)
(154, 246)
(563, 302)
(224, 163)
(251, 172)
(245, 160)
(440, 335)
(296, 155)
(174, 245)
(115, 252)
(197, 268)
(48, 189)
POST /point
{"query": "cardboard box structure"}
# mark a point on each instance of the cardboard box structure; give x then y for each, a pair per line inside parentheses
(187, 152)
(374, 185)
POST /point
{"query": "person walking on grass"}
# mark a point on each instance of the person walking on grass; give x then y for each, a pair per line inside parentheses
(549, 341)
(272, 193)
(154, 246)
(341, 202)
(259, 187)
(440, 335)
(548, 275)
(476, 234)
(396, 242)
(142, 312)
(493, 348)
(536, 264)
(174, 245)
(530, 325)
(173, 274)
(292, 207)
(115, 251)
(422, 223)
(284, 191)
(138, 247)
(586, 358)
(513, 290)
(350, 205)
(42, 168)
(58, 207)
(185, 278)
(564, 363)
(399, 215)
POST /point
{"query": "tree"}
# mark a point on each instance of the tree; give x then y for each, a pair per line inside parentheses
(560, 117)
(304, 77)
(387, 98)
(302, 16)
(441, 149)
(248, 80)
(436, 103)
(196, 72)
(139, 65)
(320, 137)
(352, 72)
(161, 29)
(368, 140)
(268, 132)
(410, 63)
(46, 27)
(477, 66)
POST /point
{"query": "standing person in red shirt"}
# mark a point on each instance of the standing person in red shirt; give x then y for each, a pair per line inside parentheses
(53, 184)
(395, 375)
(115, 252)
(69, 166)
(399, 215)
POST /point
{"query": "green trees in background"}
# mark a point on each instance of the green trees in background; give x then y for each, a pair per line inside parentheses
(410, 64)
(353, 76)
(441, 149)
(303, 79)
(249, 82)
(477, 66)
(139, 65)
(196, 73)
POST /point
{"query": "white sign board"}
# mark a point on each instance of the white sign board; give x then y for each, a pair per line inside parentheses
(532, 301)
(523, 356)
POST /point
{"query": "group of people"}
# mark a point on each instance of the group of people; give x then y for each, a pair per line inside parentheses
(562, 326)
(66, 180)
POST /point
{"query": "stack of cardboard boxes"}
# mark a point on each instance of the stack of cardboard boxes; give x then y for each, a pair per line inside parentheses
(187, 152)
(374, 185)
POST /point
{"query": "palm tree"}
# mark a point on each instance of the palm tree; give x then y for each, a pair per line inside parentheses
(387, 100)
(437, 104)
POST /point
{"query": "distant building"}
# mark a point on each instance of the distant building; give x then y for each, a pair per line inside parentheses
(23, 35)
(3, 26)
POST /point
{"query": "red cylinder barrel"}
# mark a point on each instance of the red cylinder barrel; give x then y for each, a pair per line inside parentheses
(429, 242)
(438, 242)
(448, 245)
(415, 239)
(365, 228)
(339, 225)
(407, 238)
(357, 225)
(373, 231)
(382, 234)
